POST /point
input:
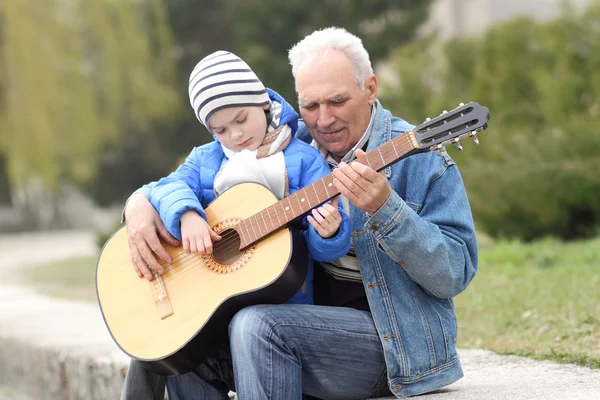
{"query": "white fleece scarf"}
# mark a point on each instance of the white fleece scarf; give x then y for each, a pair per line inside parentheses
(265, 165)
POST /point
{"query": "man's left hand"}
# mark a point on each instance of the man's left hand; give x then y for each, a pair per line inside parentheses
(361, 185)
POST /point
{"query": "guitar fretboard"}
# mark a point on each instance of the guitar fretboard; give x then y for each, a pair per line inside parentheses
(291, 207)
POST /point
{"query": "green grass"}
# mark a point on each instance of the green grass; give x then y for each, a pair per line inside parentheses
(539, 300)
(72, 279)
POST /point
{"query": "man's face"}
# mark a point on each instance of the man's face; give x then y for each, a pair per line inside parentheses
(334, 108)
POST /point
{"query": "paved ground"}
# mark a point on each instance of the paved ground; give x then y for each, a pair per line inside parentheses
(30, 249)
(57, 349)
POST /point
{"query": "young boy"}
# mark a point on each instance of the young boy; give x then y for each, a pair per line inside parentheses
(253, 129)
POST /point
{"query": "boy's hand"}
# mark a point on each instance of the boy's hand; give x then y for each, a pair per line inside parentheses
(326, 219)
(196, 235)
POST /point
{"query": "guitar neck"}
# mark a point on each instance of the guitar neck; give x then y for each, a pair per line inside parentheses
(278, 215)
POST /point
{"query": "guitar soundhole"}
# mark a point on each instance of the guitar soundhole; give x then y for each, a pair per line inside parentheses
(226, 256)
(226, 251)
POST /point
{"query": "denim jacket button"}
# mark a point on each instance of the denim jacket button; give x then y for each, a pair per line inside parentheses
(376, 226)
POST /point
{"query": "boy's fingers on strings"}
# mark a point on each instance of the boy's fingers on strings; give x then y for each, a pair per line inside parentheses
(207, 244)
(214, 235)
(194, 245)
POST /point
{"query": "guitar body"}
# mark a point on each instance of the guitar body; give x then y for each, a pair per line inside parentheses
(174, 323)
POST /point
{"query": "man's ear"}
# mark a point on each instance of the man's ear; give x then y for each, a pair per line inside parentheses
(371, 85)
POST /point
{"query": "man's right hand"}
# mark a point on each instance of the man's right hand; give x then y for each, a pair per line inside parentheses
(144, 228)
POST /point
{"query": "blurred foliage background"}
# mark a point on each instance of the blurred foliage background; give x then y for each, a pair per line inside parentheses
(93, 98)
(536, 171)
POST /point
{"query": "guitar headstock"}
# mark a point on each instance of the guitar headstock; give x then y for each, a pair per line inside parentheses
(467, 120)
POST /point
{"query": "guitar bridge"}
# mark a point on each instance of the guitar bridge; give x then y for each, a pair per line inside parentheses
(161, 298)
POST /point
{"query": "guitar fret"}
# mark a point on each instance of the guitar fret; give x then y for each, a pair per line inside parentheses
(381, 155)
(308, 202)
(253, 231)
(316, 193)
(298, 200)
(283, 209)
(264, 222)
(277, 215)
(258, 225)
(325, 186)
(394, 147)
(246, 226)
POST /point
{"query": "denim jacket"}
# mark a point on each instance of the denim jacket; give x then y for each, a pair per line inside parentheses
(415, 253)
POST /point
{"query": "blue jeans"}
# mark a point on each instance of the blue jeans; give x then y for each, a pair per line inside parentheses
(283, 351)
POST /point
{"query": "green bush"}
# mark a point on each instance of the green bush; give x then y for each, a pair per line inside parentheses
(535, 173)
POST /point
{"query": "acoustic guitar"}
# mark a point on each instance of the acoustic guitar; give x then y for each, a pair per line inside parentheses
(174, 322)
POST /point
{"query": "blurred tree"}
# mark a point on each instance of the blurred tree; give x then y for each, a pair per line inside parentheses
(4, 187)
(535, 173)
(261, 32)
(264, 31)
(75, 75)
(198, 28)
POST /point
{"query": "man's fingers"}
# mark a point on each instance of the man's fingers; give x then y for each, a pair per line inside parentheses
(365, 172)
(165, 235)
(134, 255)
(148, 256)
(159, 250)
(350, 178)
(140, 266)
(339, 185)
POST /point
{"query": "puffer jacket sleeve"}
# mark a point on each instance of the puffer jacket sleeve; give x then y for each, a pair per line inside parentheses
(179, 192)
(323, 249)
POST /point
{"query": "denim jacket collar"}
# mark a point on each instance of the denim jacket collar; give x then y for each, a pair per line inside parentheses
(382, 122)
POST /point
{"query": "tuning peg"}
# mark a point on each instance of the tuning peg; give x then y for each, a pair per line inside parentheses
(473, 135)
(427, 119)
(461, 104)
(456, 143)
(444, 112)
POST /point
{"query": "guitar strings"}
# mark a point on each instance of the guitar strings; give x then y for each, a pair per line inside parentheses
(230, 239)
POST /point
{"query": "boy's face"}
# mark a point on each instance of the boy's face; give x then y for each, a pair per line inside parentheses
(239, 128)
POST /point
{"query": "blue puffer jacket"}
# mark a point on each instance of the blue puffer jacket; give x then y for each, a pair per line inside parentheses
(190, 187)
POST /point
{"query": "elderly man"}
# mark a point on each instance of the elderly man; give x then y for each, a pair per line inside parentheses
(383, 321)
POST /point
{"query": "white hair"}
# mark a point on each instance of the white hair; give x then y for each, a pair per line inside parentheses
(321, 42)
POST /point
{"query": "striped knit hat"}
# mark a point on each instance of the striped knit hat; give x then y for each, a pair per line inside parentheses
(222, 80)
